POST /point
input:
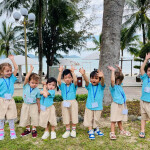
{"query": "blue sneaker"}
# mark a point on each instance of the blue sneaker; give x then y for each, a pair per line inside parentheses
(1, 135)
(91, 135)
(98, 132)
(13, 135)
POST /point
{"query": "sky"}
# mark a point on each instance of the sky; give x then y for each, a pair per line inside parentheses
(96, 11)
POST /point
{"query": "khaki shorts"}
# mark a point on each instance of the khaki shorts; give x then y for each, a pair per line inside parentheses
(29, 115)
(7, 109)
(92, 118)
(116, 113)
(71, 113)
(49, 115)
(145, 110)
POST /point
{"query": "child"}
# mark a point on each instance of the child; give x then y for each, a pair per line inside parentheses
(47, 114)
(118, 106)
(145, 98)
(31, 105)
(94, 103)
(69, 104)
(7, 103)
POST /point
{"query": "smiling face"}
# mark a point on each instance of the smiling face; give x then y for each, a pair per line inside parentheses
(51, 85)
(148, 72)
(7, 72)
(33, 83)
(68, 79)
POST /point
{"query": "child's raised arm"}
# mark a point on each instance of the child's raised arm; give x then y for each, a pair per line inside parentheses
(59, 75)
(120, 70)
(11, 57)
(147, 57)
(28, 75)
(112, 75)
(74, 76)
(82, 71)
(101, 75)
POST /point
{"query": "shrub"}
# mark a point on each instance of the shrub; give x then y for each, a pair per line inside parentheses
(18, 99)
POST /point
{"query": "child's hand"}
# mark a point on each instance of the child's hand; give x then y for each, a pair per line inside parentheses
(118, 67)
(44, 83)
(11, 57)
(111, 68)
(100, 74)
(61, 68)
(31, 67)
(72, 69)
(147, 57)
(82, 71)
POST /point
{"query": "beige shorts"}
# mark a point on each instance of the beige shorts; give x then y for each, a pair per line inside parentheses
(29, 115)
(70, 113)
(116, 113)
(49, 115)
(92, 118)
(145, 110)
(7, 109)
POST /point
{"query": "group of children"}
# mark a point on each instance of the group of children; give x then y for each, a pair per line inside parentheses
(38, 108)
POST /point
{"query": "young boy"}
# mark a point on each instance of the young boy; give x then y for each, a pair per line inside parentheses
(145, 98)
(69, 104)
(31, 106)
(118, 106)
(94, 103)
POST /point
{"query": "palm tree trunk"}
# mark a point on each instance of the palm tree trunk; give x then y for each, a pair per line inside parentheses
(110, 43)
(40, 48)
(143, 30)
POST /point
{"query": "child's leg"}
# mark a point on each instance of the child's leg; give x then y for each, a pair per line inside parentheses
(67, 133)
(1, 129)
(53, 133)
(120, 125)
(112, 133)
(34, 132)
(67, 127)
(143, 123)
(73, 126)
(12, 129)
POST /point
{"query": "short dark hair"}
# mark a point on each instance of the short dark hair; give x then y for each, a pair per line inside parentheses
(147, 66)
(66, 72)
(52, 79)
(94, 73)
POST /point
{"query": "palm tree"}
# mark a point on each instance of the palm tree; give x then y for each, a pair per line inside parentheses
(9, 42)
(137, 18)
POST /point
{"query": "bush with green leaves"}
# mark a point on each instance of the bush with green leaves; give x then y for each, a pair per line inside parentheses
(18, 99)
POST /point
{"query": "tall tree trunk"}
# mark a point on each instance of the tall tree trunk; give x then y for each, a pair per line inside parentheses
(110, 43)
(40, 48)
(143, 30)
(121, 58)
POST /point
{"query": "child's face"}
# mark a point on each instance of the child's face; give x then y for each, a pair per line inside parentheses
(94, 80)
(68, 79)
(7, 72)
(51, 86)
(148, 72)
(33, 83)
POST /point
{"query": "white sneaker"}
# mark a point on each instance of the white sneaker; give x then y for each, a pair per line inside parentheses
(73, 133)
(66, 134)
(45, 135)
(53, 135)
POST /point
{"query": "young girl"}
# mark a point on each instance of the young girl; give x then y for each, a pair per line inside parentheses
(31, 106)
(47, 114)
(7, 103)
(145, 98)
(69, 104)
(118, 107)
(94, 103)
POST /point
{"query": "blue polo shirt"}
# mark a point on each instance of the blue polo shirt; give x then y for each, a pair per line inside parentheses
(28, 92)
(48, 101)
(117, 94)
(7, 85)
(146, 83)
(68, 92)
(98, 91)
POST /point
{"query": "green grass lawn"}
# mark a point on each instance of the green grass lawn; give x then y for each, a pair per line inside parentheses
(81, 141)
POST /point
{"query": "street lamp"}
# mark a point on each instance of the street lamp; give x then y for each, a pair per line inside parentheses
(25, 22)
